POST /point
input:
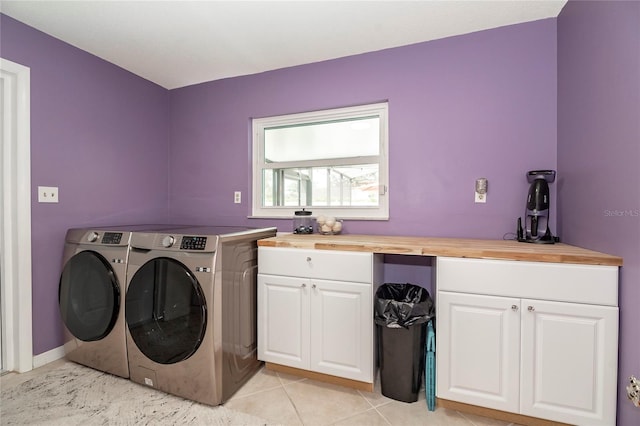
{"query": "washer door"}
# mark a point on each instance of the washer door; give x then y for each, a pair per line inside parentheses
(89, 296)
(166, 311)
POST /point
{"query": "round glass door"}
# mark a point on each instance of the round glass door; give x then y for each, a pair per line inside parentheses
(166, 311)
(89, 296)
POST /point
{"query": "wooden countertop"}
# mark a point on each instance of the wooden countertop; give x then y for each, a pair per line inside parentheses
(451, 247)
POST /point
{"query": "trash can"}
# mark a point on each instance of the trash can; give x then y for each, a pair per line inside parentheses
(401, 315)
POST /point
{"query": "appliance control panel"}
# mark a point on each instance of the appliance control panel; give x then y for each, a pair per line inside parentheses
(193, 243)
(112, 238)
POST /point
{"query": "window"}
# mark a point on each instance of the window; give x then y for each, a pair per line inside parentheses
(332, 162)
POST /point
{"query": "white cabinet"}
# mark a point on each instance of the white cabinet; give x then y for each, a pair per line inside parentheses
(315, 310)
(569, 362)
(529, 338)
(478, 350)
(283, 320)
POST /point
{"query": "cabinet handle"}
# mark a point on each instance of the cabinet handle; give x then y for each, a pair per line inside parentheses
(308, 259)
(303, 285)
(313, 286)
(531, 309)
(514, 308)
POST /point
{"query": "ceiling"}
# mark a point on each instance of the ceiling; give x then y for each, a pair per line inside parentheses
(180, 43)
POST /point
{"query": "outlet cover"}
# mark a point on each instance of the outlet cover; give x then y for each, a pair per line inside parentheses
(480, 198)
(47, 194)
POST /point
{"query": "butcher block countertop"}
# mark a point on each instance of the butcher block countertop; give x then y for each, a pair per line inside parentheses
(450, 247)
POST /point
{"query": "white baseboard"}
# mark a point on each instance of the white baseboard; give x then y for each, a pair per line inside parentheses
(49, 356)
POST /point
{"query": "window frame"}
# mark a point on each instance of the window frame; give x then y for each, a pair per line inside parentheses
(380, 212)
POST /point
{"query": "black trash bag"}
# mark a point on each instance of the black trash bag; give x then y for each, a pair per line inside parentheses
(402, 305)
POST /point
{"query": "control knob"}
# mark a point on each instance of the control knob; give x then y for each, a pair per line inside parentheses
(92, 237)
(168, 241)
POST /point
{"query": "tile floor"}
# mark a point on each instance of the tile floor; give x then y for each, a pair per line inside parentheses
(290, 400)
(11, 379)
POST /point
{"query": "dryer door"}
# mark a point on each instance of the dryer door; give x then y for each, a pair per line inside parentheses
(166, 311)
(89, 296)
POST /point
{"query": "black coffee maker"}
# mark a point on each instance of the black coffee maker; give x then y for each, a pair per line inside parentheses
(536, 219)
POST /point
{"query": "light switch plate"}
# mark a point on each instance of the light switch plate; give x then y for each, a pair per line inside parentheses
(47, 194)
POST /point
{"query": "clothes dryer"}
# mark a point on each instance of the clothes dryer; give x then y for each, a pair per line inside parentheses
(91, 296)
(191, 304)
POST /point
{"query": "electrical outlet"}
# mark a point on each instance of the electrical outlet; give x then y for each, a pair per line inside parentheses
(481, 198)
(481, 190)
(47, 194)
(237, 197)
(633, 391)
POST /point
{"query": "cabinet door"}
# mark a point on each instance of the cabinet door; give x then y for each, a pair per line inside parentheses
(342, 329)
(478, 350)
(283, 320)
(569, 362)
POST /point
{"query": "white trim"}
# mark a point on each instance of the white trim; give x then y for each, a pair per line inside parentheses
(380, 212)
(16, 219)
(49, 356)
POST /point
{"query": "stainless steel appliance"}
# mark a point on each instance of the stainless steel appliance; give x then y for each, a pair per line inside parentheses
(191, 304)
(91, 296)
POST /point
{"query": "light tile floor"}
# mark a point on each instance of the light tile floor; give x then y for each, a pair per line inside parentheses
(12, 379)
(290, 400)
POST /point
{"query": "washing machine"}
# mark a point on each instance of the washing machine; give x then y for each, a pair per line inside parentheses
(91, 296)
(191, 310)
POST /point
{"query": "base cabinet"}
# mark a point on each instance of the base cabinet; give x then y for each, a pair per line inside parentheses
(341, 338)
(314, 323)
(551, 359)
(283, 321)
(569, 362)
(478, 350)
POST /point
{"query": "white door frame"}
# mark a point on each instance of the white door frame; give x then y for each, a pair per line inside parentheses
(15, 222)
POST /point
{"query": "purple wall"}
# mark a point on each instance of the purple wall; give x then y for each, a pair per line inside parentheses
(460, 108)
(99, 133)
(599, 153)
